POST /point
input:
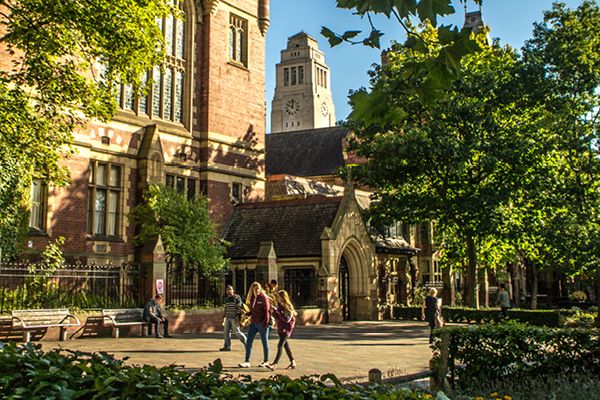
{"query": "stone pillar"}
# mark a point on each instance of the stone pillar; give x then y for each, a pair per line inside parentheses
(267, 261)
(153, 268)
(484, 298)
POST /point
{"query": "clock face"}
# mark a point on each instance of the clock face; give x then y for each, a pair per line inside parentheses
(324, 109)
(292, 107)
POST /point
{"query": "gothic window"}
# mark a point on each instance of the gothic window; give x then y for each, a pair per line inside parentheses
(294, 76)
(236, 192)
(300, 75)
(238, 39)
(165, 97)
(104, 198)
(37, 213)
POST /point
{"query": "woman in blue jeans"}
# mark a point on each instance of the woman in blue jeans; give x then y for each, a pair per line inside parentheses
(260, 311)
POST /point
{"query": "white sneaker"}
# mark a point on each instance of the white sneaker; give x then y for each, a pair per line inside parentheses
(245, 364)
(264, 364)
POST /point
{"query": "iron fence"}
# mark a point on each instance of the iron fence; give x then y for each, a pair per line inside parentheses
(24, 285)
(186, 286)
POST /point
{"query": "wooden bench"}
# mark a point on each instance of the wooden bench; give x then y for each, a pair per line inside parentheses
(36, 319)
(116, 318)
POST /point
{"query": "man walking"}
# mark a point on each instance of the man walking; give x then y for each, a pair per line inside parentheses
(232, 307)
(153, 314)
(503, 300)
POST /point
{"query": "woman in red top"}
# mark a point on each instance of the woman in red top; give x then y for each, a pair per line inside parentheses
(285, 315)
(260, 311)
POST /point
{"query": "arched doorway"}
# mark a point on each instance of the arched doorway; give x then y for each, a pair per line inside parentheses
(344, 289)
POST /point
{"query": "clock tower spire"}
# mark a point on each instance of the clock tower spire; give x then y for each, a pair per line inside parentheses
(303, 97)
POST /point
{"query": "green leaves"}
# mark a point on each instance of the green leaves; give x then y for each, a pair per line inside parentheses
(58, 47)
(26, 372)
(430, 9)
(184, 227)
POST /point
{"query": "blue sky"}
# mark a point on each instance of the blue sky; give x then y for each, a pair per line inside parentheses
(509, 20)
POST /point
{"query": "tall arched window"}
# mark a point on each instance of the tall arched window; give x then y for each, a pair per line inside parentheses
(165, 99)
(238, 39)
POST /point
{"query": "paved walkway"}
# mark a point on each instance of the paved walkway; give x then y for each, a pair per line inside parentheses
(348, 350)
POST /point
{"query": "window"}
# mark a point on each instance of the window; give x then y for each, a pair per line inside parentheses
(294, 76)
(236, 192)
(238, 39)
(300, 75)
(425, 273)
(165, 99)
(37, 213)
(406, 232)
(182, 185)
(301, 284)
(286, 77)
(104, 199)
(424, 232)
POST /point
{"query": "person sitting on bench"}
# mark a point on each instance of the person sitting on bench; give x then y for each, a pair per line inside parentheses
(153, 314)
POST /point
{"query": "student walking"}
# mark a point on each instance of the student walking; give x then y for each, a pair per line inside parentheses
(260, 311)
(503, 300)
(232, 308)
(285, 316)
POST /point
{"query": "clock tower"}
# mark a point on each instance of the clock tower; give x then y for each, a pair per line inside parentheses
(303, 97)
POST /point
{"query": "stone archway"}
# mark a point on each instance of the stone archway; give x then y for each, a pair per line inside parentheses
(353, 281)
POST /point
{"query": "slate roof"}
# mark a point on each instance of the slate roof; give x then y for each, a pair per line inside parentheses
(294, 226)
(311, 152)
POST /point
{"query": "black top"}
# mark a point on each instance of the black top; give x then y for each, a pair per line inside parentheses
(431, 308)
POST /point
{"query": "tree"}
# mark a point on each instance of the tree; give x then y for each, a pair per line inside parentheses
(184, 226)
(454, 158)
(562, 62)
(66, 58)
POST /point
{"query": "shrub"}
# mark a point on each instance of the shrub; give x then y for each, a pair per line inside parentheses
(578, 295)
(551, 318)
(502, 352)
(27, 372)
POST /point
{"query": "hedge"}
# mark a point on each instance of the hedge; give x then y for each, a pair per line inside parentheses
(549, 318)
(26, 372)
(514, 351)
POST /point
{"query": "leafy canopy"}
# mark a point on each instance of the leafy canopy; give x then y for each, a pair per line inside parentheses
(184, 226)
(63, 60)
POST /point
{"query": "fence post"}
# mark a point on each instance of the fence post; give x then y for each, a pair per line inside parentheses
(155, 268)
(440, 366)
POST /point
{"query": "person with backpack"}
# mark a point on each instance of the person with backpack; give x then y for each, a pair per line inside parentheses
(232, 307)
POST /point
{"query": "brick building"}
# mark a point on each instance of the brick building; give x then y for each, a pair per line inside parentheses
(200, 129)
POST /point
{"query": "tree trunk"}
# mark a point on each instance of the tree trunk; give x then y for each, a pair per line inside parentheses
(484, 297)
(534, 288)
(473, 288)
(449, 286)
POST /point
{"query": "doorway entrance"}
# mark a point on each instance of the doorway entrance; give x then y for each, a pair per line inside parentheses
(344, 286)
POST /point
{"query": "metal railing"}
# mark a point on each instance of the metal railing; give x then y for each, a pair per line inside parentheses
(25, 285)
(188, 287)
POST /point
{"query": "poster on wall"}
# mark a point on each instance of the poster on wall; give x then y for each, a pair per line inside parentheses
(160, 286)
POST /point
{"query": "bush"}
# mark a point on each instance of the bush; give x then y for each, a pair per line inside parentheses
(550, 318)
(578, 296)
(27, 372)
(514, 351)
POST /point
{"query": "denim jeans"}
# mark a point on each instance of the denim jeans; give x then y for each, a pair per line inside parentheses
(264, 338)
(232, 324)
